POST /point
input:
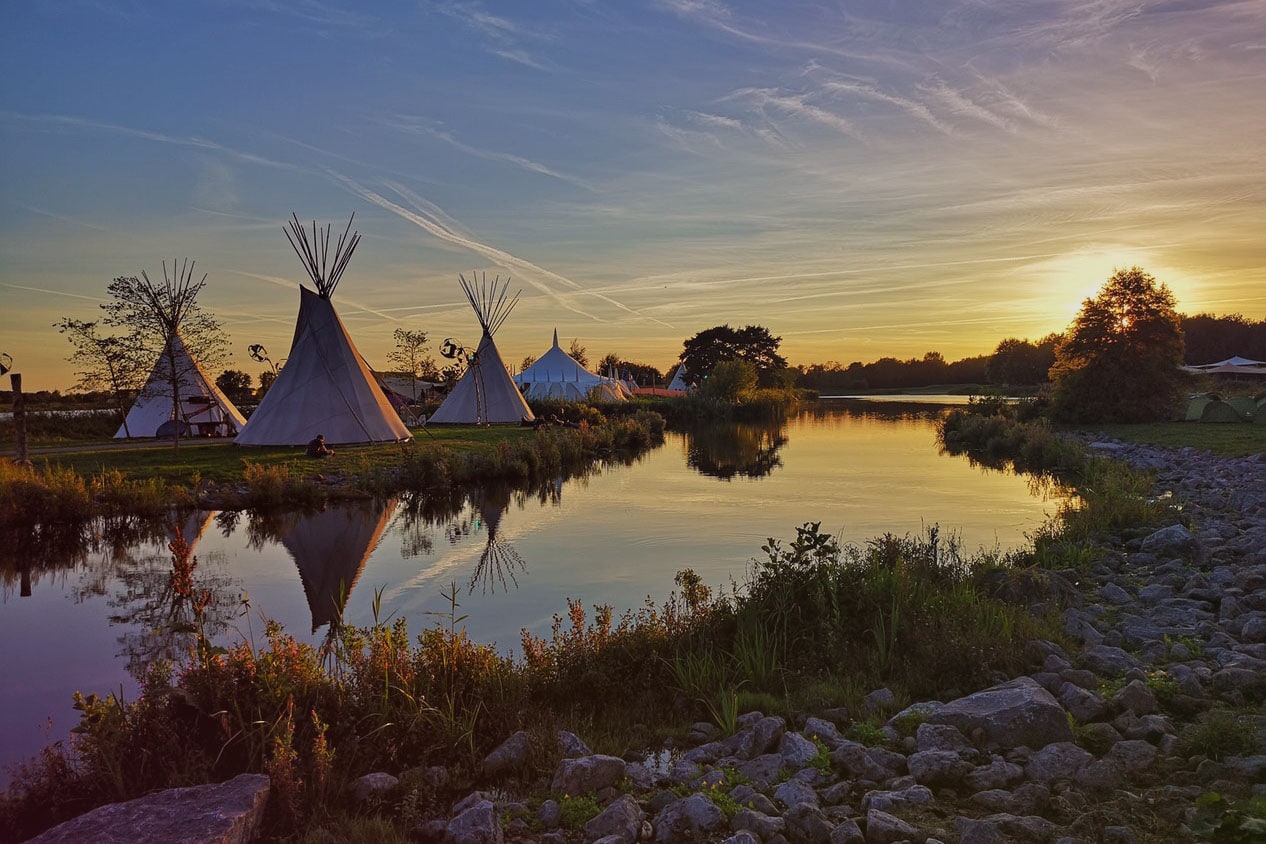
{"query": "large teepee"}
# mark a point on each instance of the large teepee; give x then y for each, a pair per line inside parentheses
(557, 375)
(325, 386)
(204, 410)
(485, 395)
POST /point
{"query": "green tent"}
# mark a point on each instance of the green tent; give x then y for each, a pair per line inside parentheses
(1211, 409)
(1244, 406)
(1260, 415)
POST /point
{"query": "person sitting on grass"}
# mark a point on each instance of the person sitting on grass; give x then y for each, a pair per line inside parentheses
(318, 448)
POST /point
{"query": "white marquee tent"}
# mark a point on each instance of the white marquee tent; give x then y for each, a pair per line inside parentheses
(557, 375)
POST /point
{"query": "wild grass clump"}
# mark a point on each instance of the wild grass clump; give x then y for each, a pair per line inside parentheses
(46, 428)
(1000, 434)
(273, 486)
(32, 499)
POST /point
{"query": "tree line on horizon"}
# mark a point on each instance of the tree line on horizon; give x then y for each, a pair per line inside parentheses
(1013, 362)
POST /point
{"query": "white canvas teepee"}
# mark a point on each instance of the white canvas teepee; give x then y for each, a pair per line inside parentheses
(325, 387)
(679, 381)
(204, 410)
(557, 375)
(485, 394)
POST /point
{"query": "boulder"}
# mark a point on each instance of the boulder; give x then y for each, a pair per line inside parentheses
(229, 812)
(478, 824)
(691, 818)
(621, 821)
(883, 828)
(1014, 714)
(509, 756)
(587, 774)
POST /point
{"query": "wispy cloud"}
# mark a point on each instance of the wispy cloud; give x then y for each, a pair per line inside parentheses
(765, 100)
(532, 273)
(71, 122)
(418, 126)
(501, 36)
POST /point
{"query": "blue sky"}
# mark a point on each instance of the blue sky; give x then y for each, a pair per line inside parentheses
(864, 179)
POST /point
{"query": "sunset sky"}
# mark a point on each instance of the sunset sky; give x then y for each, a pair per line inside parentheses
(862, 178)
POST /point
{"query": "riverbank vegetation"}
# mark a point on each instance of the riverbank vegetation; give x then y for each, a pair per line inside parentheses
(814, 625)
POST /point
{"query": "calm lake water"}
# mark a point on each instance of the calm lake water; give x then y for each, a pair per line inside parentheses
(705, 501)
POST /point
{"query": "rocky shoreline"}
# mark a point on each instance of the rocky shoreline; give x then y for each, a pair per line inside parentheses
(1093, 744)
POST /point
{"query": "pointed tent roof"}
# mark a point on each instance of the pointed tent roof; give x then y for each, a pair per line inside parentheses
(485, 394)
(330, 549)
(325, 387)
(498, 561)
(557, 375)
(678, 381)
(201, 401)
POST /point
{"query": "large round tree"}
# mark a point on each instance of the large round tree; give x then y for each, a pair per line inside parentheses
(1119, 360)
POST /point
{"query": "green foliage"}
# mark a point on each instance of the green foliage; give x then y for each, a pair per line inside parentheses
(1120, 359)
(1223, 821)
(868, 733)
(1222, 733)
(578, 809)
(729, 381)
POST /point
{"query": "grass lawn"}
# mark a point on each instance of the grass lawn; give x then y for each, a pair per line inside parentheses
(222, 461)
(1230, 440)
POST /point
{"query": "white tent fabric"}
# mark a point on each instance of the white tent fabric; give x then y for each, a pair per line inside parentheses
(485, 394)
(206, 410)
(557, 375)
(324, 388)
(1231, 366)
(679, 379)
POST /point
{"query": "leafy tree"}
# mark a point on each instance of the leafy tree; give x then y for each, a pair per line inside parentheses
(1212, 338)
(752, 343)
(266, 379)
(1022, 362)
(1119, 360)
(106, 362)
(527, 361)
(153, 316)
(579, 353)
(411, 357)
(729, 381)
(235, 384)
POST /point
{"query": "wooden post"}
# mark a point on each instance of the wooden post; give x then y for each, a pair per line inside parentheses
(19, 417)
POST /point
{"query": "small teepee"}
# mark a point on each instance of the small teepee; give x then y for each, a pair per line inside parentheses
(325, 387)
(485, 394)
(679, 381)
(204, 410)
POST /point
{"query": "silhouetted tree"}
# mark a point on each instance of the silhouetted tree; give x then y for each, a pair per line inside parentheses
(1022, 362)
(752, 343)
(411, 358)
(1212, 338)
(106, 362)
(266, 379)
(578, 353)
(1119, 360)
(235, 384)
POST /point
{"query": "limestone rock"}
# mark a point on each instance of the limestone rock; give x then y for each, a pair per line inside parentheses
(1009, 715)
(224, 813)
(587, 774)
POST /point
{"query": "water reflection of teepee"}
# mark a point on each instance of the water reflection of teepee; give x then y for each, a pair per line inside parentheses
(330, 548)
(498, 561)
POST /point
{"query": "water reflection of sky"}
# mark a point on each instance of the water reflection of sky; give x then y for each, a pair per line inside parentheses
(616, 536)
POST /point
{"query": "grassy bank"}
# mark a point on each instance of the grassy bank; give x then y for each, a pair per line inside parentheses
(69, 488)
(1228, 440)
